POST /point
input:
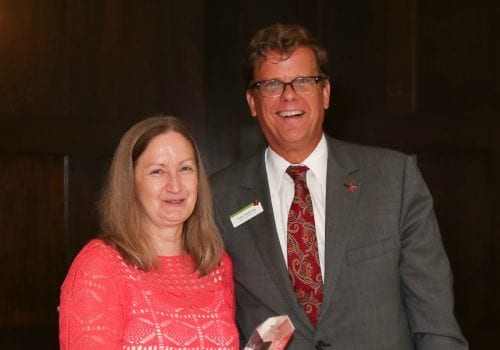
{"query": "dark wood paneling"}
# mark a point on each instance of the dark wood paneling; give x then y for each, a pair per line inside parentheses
(85, 176)
(460, 182)
(33, 73)
(31, 244)
(31, 337)
(400, 60)
(94, 57)
(355, 36)
(119, 55)
(186, 75)
(458, 54)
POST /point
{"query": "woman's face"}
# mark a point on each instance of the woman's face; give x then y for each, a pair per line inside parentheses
(166, 180)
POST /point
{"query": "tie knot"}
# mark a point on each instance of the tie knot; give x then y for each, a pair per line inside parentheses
(297, 172)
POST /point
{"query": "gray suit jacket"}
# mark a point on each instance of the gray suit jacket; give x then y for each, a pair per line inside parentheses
(388, 283)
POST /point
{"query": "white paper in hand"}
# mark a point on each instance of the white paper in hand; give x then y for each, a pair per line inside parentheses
(273, 334)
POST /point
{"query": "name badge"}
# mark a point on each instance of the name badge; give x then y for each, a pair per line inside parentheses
(246, 213)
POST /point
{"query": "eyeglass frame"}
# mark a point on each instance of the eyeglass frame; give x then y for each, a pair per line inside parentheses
(257, 85)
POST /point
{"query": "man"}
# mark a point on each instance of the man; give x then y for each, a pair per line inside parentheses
(364, 267)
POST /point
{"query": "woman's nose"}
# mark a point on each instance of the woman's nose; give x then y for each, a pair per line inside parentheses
(173, 183)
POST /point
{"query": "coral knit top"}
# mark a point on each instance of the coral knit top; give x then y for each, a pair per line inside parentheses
(109, 304)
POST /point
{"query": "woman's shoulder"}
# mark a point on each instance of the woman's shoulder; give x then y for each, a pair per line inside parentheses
(96, 267)
(226, 259)
(226, 263)
(97, 255)
(98, 248)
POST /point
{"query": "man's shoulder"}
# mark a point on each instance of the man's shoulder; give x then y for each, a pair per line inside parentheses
(362, 154)
(233, 173)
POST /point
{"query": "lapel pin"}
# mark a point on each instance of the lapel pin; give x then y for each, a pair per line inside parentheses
(351, 187)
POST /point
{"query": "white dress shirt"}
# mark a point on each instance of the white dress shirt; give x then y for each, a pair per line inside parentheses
(281, 187)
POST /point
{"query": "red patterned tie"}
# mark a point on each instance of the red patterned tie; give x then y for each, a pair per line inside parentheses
(303, 258)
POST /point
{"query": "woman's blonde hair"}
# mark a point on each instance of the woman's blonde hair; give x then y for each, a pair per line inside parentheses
(121, 212)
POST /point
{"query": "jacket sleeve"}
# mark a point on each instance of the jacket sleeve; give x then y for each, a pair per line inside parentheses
(426, 277)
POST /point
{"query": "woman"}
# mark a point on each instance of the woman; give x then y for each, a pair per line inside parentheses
(158, 277)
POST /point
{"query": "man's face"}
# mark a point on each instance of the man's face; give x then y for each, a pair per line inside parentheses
(293, 122)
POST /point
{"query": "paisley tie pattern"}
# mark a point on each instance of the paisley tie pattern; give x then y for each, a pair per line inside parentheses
(302, 247)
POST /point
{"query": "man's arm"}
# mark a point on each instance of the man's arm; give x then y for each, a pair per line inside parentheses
(427, 282)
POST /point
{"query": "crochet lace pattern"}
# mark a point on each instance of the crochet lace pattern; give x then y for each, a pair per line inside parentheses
(108, 304)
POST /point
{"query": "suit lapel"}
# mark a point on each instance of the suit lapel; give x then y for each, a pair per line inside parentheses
(263, 230)
(341, 199)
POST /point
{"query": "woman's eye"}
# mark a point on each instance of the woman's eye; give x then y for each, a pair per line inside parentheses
(156, 172)
(186, 168)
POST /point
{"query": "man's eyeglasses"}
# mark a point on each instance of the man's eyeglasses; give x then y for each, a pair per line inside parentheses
(275, 88)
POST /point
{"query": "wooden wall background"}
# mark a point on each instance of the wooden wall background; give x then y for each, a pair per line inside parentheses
(419, 76)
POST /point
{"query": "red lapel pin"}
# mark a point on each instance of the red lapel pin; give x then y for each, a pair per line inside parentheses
(351, 187)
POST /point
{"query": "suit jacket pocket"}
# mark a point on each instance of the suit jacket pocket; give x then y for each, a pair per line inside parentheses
(381, 247)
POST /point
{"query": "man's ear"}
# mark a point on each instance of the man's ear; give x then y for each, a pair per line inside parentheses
(326, 94)
(251, 103)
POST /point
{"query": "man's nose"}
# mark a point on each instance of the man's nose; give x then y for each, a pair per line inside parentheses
(288, 92)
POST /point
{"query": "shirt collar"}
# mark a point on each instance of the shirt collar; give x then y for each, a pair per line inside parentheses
(316, 162)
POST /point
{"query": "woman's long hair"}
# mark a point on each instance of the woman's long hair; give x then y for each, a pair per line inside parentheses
(122, 214)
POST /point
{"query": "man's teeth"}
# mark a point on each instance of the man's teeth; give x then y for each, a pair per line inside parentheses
(290, 113)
